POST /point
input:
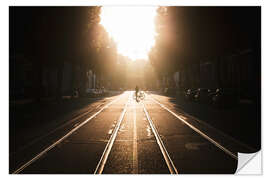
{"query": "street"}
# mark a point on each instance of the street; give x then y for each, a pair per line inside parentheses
(133, 89)
(128, 137)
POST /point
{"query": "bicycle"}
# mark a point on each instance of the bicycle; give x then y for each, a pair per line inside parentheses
(140, 96)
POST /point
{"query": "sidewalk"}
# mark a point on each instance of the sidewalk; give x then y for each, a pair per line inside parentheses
(242, 122)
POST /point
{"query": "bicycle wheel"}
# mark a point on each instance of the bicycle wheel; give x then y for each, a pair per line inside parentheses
(142, 96)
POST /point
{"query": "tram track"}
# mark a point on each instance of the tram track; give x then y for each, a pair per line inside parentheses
(107, 150)
(100, 167)
(75, 121)
(203, 134)
(48, 148)
(166, 156)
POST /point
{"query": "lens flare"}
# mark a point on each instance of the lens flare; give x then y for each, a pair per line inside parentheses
(132, 28)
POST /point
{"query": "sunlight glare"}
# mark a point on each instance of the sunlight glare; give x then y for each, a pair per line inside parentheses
(132, 28)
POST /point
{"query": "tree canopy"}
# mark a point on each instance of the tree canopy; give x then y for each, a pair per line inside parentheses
(185, 35)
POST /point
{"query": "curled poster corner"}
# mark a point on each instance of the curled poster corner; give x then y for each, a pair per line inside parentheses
(249, 163)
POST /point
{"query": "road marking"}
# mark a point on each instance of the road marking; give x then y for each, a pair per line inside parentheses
(164, 152)
(61, 139)
(198, 131)
(76, 124)
(135, 145)
(107, 150)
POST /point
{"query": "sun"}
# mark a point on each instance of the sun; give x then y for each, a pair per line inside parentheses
(132, 28)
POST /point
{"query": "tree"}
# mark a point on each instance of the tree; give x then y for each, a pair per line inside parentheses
(163, 55)
(54, 35)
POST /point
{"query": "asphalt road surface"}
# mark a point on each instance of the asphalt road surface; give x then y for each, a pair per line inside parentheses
(128, 137)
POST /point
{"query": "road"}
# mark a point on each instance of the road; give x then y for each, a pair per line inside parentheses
(128, 137)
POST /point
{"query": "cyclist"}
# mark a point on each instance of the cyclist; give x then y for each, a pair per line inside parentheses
(136, 91)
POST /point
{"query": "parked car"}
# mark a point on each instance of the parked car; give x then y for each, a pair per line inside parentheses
(211, 93)
(92, 92)
(225, 98)
(202, 95)
(189, 94)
